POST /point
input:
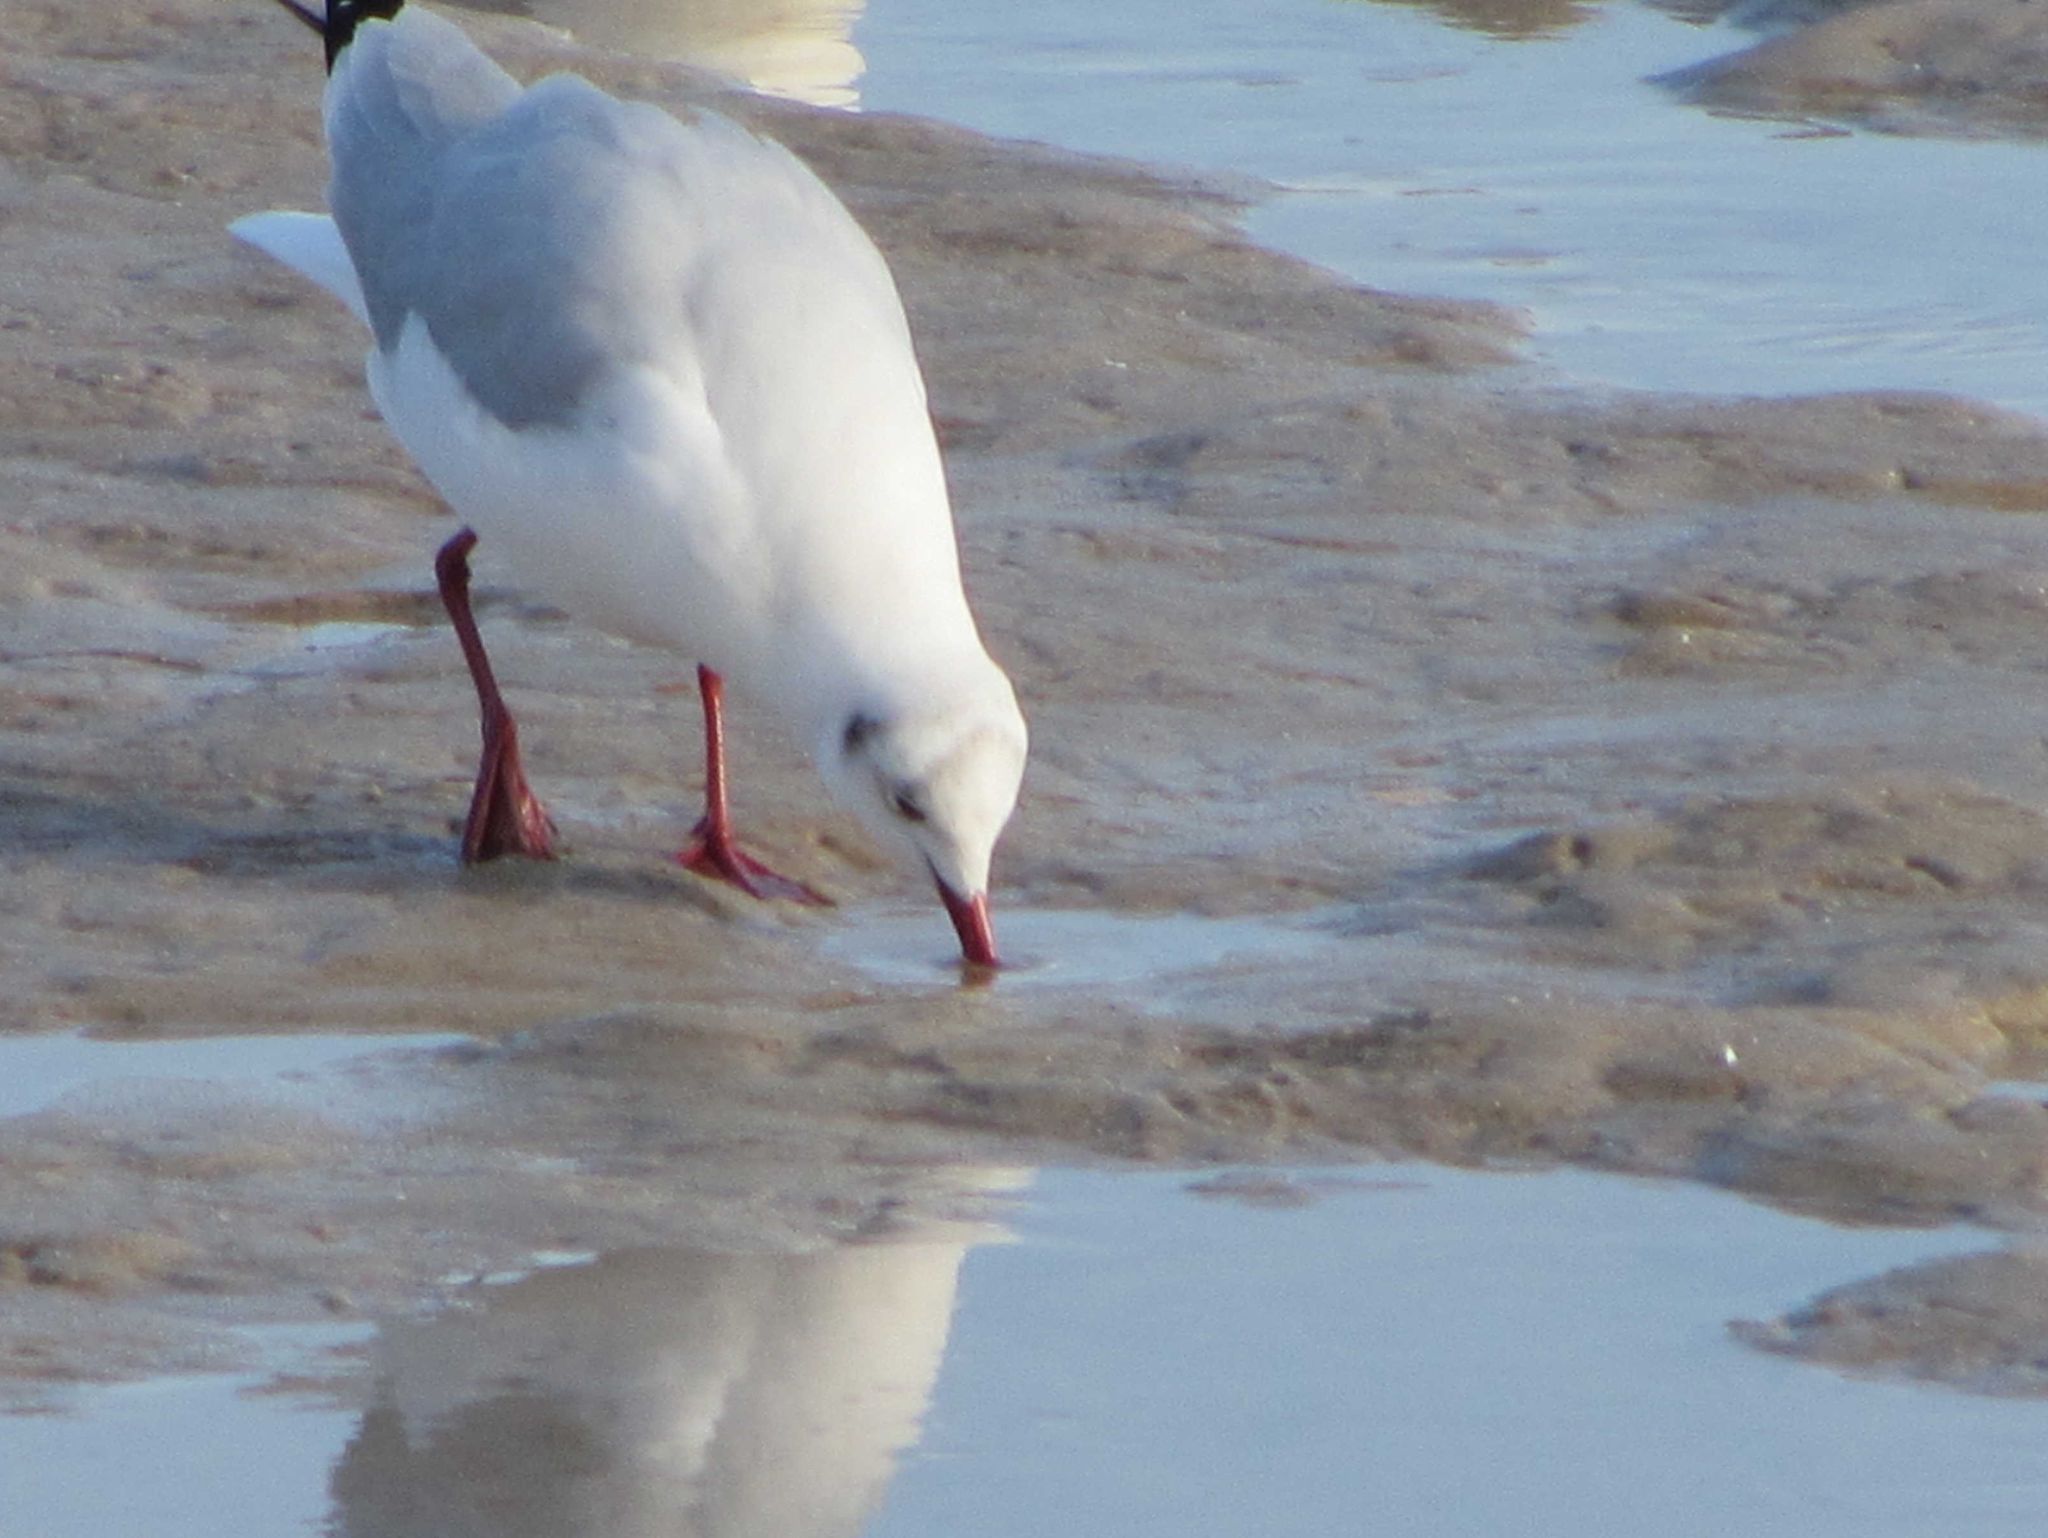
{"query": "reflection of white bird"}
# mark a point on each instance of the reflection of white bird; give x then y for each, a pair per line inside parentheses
(653, 1395)
(797, 48)
(659, 365)
(662, 1392)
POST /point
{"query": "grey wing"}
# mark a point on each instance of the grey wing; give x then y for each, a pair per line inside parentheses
(556, 252)
(543, 248)
(553, 240)
(402, 96)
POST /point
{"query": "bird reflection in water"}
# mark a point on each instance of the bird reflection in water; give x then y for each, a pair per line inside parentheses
(800, 49)
(670, 1392)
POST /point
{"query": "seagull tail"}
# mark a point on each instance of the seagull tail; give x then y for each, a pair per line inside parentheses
(310, 245)
(341, 20)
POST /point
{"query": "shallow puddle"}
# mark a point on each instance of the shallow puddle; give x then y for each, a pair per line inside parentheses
(1044, 948)
(203, 1457)
(38, 1072)
(342, 635)
(319, 648)
(2032, 1090)
(1445, 150)
(1403, 1350)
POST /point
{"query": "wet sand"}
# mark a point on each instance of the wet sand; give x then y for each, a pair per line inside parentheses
(1657, 778)
(1973, 68)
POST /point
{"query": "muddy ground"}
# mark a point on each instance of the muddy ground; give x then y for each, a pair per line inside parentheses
(1968, 68)
(1653, 783)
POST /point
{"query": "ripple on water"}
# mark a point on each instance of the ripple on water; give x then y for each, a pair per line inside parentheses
(1064, 948)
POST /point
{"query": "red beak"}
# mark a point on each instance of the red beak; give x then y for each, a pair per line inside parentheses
(970, 922)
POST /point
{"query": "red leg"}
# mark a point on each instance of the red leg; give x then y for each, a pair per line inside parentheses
(505, 817)
(712, 850)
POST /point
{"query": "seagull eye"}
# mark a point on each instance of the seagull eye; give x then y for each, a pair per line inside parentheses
(908, 809)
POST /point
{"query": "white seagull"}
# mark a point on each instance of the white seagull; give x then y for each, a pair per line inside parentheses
(657, 363)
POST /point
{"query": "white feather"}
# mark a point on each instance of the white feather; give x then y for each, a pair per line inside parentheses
(311, 246)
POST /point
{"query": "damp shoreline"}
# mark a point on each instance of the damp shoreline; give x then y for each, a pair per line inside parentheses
(1650, 772)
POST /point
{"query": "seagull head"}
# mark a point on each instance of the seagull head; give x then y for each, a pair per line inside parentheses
(935, 781)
